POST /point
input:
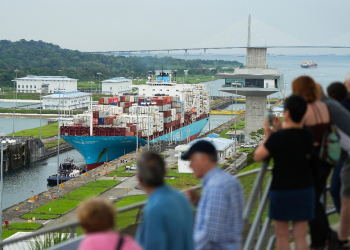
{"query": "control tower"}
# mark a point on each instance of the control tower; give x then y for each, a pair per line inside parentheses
(256, 82)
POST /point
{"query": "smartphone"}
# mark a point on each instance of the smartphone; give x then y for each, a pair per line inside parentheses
(269, 117)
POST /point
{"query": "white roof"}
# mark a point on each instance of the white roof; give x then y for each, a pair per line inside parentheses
(70, 94)
(117, 80)
(220, 144)
(32, 77)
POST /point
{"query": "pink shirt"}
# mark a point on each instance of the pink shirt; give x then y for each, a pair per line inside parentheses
(107, 241)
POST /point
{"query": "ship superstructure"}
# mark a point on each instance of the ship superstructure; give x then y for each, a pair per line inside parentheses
(308, 64)
(161, 111)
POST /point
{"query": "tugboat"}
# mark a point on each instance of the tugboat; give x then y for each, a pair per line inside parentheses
(68, 170)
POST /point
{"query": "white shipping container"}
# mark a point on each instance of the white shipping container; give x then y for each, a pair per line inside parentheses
(132, 98)
(173, 111)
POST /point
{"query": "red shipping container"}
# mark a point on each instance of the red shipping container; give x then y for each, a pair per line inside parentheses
(140, 133)
(122, 98)
(101, 100)
(95, 114)
(108, 121)
(132, 128)
(166, 113)
(128, 104)
(173, 123)
(95, 121)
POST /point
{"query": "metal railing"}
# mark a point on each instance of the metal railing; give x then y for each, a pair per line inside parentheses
(71, 226)
(257, 234)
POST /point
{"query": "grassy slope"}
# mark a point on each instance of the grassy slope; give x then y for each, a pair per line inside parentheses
(46, 131)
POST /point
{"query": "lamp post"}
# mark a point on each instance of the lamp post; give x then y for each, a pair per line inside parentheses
(137, 126)
(99, 81)
(212, 82)
(1, 182)
(235, 127)
(91, 82)
(58, 139)
(41, 89)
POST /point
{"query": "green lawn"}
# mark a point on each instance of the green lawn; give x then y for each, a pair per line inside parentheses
(181, 180)
(71, 200)
(46, 131)
(63, 207)
(7, 233)
(127, 218)
(23, 226)
(40, 216)
(103, 183)
(84, 193)
(120, 172)
(248, 150)
(32, 111)
(18, 227)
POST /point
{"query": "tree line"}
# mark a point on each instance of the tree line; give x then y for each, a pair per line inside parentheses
(41, 58)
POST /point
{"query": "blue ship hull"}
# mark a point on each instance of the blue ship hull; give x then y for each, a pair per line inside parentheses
(99, 149)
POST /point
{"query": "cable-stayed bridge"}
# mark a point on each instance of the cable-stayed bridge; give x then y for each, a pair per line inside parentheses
(260, 34)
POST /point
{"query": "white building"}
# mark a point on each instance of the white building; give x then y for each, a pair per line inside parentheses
(116, 85)
(68, 100)
(224, 147)
(32, 84)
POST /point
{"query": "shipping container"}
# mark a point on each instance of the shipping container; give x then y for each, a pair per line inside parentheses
(95, 114)
(100, 121)
(167, 119)
(101, 100)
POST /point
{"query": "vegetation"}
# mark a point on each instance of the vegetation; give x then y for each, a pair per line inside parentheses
(181, 180)
(71, 200)
(33, 111)
(53, 143)
(23, 226)
(129, 217)
(18, 227)
(46, 131)
(240, 125)
(40, 58)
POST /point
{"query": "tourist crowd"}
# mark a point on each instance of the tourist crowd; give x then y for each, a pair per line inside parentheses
(311, 141)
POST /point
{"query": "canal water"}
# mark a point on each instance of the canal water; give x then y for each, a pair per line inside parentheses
(6, 124)
(31, 179)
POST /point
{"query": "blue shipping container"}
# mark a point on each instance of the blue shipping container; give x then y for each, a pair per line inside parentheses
(114, 103)
(101, 121)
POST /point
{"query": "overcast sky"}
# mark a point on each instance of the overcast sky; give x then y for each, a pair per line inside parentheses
(102, 25)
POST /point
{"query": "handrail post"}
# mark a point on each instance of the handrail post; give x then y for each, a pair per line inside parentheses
(71, 230)
(255, 191)
(258, 216)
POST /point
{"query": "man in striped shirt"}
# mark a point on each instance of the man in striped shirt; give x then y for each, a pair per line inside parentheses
(219, 218)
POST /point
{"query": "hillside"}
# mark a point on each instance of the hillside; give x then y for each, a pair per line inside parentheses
(40, 58)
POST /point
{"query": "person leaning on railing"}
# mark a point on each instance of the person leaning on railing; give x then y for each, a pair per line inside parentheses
(340, 185)
(167, 221)
(292, 189)
(318, 118)
(97, 218)
(219, 217)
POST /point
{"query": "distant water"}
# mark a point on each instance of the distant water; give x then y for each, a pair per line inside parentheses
(330, 68)
(26, 105)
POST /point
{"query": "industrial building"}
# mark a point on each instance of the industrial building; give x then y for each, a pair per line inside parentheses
(45, 84)
(66, 100)
(224, 147)
(116, 85)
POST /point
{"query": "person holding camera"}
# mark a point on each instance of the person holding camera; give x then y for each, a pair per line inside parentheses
(292, 188)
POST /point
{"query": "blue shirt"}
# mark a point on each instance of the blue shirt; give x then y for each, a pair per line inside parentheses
(219, 219)
(167, 221)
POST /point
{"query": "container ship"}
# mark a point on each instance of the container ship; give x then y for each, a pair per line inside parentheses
(161, 111)
(308, 64)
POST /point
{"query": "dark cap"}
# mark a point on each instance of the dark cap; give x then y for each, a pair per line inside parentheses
(202, 146)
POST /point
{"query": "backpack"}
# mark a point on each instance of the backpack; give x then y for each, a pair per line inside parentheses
(330, 148)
